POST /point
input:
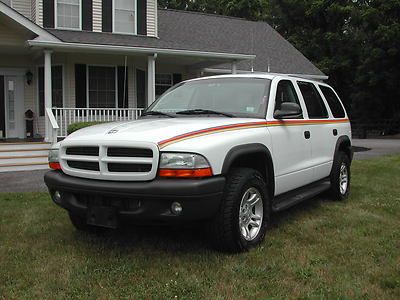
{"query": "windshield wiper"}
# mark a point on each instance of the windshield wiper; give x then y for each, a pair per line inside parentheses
(156, 113)
(204, 112)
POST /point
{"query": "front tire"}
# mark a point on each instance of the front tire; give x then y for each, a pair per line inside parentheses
(242, 219)
(340, 177)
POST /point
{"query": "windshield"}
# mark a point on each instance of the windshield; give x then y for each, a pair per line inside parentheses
(238, 97)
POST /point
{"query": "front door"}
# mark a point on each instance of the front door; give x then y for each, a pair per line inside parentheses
(293, 158)
(14, 106)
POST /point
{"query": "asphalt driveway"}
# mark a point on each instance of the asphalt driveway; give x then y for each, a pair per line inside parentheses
(32, 181)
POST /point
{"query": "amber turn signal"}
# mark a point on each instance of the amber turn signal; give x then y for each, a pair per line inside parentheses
(185, 173)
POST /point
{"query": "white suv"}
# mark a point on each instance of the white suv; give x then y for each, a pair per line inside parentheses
(226, 149)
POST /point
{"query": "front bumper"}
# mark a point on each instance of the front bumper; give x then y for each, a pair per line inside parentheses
(199, 198)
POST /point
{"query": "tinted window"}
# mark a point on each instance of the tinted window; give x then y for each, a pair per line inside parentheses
(333, 101)
(314, 103)
(285, 92)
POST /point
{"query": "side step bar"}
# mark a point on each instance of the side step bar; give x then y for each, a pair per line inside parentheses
(296, 196)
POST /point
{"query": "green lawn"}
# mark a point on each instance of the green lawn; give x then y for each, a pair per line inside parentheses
(320, 249)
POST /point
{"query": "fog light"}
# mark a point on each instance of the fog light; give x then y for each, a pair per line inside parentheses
(57, 196)
(176, 208)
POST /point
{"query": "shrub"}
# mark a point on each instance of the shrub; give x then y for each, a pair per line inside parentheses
(76, 126)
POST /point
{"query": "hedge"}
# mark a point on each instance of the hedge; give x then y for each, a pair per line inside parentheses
(76, 126)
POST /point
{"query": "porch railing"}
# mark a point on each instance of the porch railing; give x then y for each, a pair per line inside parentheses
(68, 116)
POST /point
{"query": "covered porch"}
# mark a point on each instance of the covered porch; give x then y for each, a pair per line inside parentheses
(111, 83)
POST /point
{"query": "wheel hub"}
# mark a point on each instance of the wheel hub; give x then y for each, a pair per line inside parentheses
(343, 179)
(251, 214)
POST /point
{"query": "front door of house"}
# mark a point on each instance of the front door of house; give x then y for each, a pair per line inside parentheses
(12, 107)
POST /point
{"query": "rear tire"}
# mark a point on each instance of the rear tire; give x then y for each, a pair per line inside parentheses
(243, 217)
(340, 177)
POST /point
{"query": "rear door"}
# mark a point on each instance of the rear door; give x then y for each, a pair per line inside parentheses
(320, 130)
(291, 149)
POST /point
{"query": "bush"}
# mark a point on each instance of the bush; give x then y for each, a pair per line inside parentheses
(76, 126)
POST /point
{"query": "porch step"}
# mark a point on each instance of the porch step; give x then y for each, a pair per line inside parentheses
(23, 156)
(23, 146)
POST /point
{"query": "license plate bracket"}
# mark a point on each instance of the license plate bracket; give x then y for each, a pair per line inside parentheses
(102, 216)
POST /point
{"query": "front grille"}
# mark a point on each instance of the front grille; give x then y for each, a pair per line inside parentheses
(84, 165)
(129, 168)
(117, 161)
(84, 151)
(129, 152)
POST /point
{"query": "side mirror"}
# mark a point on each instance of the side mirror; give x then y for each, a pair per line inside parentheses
(288, 110)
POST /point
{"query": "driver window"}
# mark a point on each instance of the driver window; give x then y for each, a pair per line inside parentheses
(285, 92)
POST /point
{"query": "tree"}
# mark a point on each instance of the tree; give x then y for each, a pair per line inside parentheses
(355, 42)
(377, 76)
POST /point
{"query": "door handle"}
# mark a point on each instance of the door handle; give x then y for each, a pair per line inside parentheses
(307, 135)
(335, 132)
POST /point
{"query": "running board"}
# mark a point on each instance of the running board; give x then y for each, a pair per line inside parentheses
(296, 196)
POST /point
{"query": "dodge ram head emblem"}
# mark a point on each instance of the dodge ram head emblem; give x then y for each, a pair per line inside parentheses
(112, 131)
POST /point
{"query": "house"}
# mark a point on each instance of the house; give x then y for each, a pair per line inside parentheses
(74, 60)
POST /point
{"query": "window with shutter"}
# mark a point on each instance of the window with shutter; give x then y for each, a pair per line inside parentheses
(68, 14)
(125, 16)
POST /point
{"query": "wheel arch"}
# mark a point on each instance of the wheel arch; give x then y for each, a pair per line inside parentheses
(343, 144)
(249, 155)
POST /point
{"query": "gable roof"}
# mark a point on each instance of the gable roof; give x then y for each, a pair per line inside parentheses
(24, 22)
(192, 31)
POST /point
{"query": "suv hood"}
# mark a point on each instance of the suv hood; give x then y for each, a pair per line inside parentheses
(152, 130)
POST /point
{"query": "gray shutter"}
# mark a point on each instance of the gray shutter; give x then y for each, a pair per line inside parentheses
(107, 13)
(176, 78)
(48, 13)
(141, 88)
(2, 108)
(87, 15)
(142, 17)
(123, 85)
(80, 86)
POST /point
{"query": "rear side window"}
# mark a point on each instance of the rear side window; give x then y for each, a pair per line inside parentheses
(333, 101)
(314, 103)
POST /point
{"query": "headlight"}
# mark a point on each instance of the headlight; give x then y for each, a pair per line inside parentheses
(54, 162)
(187, 165)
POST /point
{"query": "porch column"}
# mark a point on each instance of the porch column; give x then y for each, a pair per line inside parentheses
(234, 67)
(151, 79)
(48, 103)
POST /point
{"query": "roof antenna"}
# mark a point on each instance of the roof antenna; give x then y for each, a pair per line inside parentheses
(269, 68)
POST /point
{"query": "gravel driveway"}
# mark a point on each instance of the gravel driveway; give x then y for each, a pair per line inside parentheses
(32, 181)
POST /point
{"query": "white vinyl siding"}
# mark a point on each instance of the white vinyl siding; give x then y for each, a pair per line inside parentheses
(21, 6)
(33, 10)
(39, 13)
(8, 2)
(125, 16)
(97, 11)
(68, 14)
(152, 18)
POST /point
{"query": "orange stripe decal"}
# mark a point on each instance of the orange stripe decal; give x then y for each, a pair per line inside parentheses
(240, 126)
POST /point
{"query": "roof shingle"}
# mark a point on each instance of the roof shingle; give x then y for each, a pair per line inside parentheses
(212, 33)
